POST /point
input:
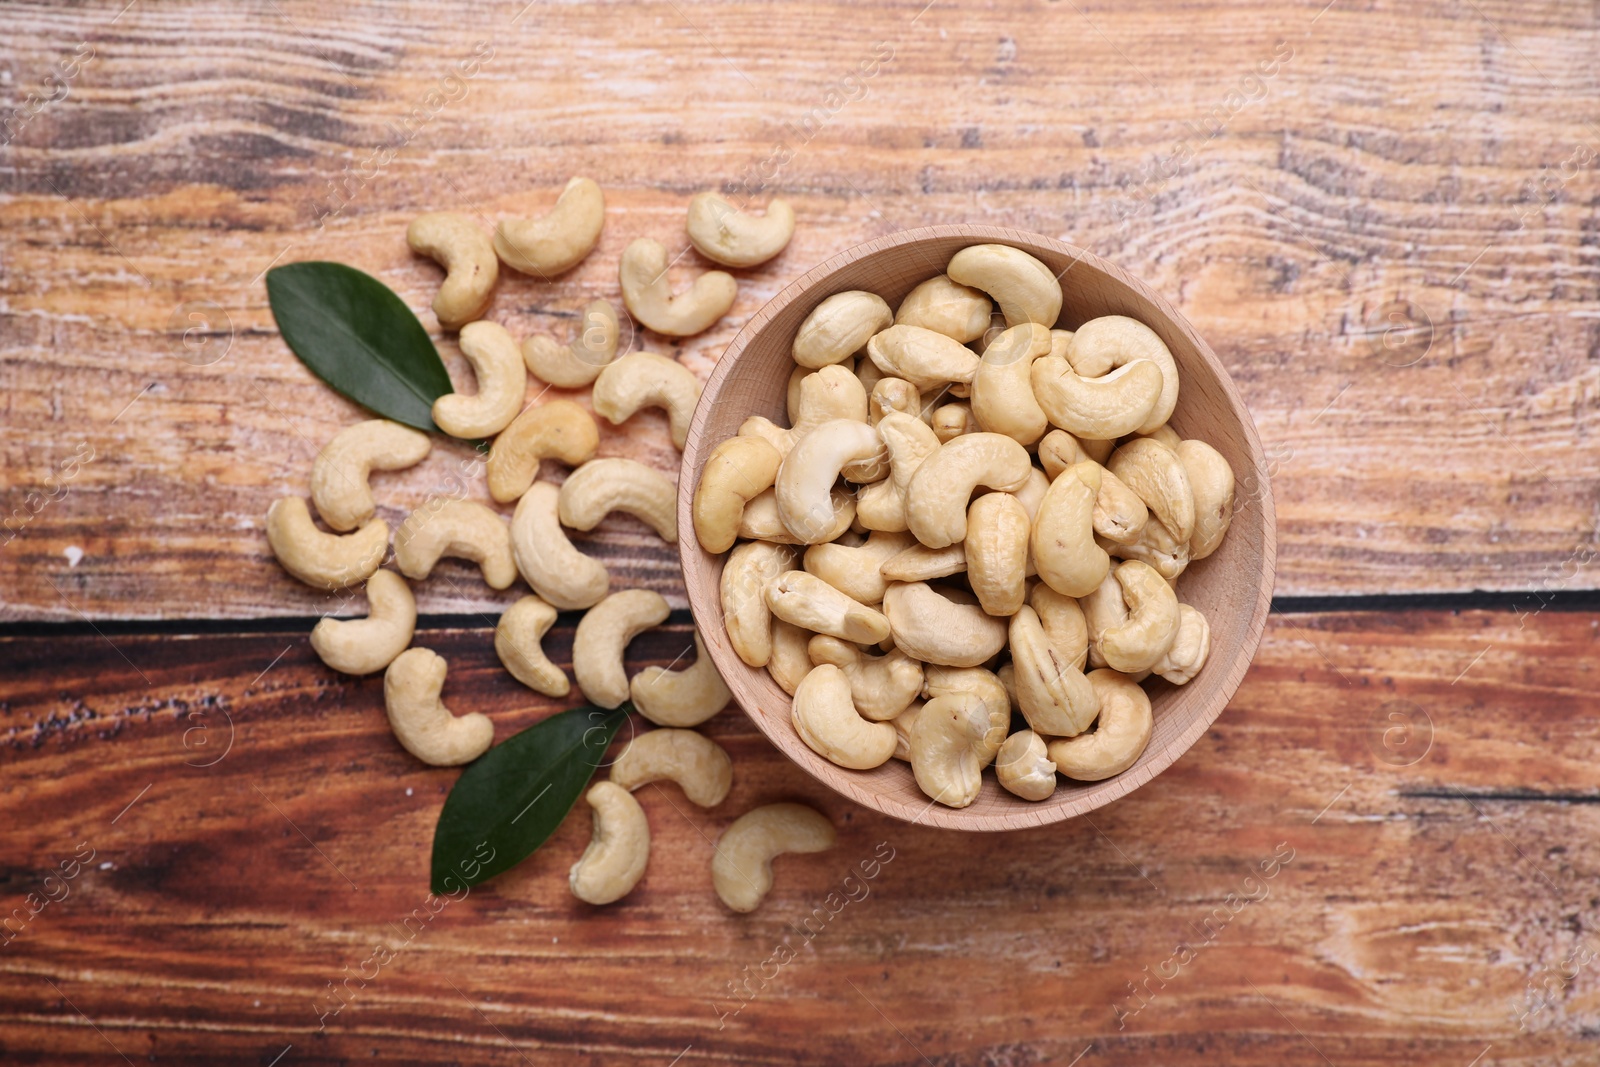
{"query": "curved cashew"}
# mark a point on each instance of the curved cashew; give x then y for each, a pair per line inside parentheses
(893, 394)
(557, 430)
(881, 687)
(938, 624)
(1137, 642)
(826, 719)
(557, 571)
(1030, 496)
(1156, 474)
(1059, 450)
(812, 604)
(1111, 341)
(619, 850)
(944, 740)
(936, 499)
(1156, 546)
(761, 522)
(575, 365)
(745, 574)
(1062, 540)
(1002, 389)
(323, 560)
(790, 663)
(1164, 435)
(791, 392)
(902, 730)
(1211, 479)
(1180, 663)
(467, 256)
(1024, 768)
(990, 691)
(502, 384)
(1119, 514)
(1102, 608)
(462, 529)
(1063, 621)
(646, 380)
(1097, 408)
(361, 646)
(734, 238)
(559, 240)
(997, 552)
(839, 327)
(602, 638)
(699, 765)
(922, 357)
(806, 478)
(1025, 289)
(831, 392)
(741, 870)
(647, 293)
(339, 485)
(1119, 737)
(1054, 696)
(908, 441)
(959, 312)
(919, 563)
(857, 572)
(602, 486)
(680, 698)
(516, 642)
(737, 470)
(952, 420)
(421, 723)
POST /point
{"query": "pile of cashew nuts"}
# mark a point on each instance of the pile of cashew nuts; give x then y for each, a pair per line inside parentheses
(965, 521)
(533, 544)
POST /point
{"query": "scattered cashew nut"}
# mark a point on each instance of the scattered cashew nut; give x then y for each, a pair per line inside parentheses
(602, 638)
(647, 293)
(558, 572)
(462, 529)
(686, 697)
(502, 384)
(361, 646)
(575, 365)
(619, 850)
(645, 380)
(467, 255)
(558, 241)
(323, 560)
(741, 870)
(421, 723)
(558, 430)
(516, 642)
(339, 485)
(699, 765)
(602, 486)
(734, 238)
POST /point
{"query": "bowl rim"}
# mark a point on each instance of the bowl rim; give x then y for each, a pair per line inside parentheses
(691, 555)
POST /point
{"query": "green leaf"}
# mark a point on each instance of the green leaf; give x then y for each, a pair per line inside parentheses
(507, 803)
(359, 337)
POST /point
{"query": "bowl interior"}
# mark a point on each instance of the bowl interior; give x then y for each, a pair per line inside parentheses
(1232, 587)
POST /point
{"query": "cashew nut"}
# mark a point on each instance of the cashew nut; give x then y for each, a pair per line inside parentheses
(602, 486)
(741, 870)
(686, 697)
(421, 723)
(1064, 549)
(737, 470)
(881, 687)
(575, 365)
(559, 240)
(734, 238)
(1137, 642)
(908, 441)
(1211, 479)
(1164, 435)
(602, 637)
(1180, 663)
(919, 563)
(790, 662)
(467, 256)
(806, 478)
(1120, 734)
(952, 420)
(832, 392)
(813, 604)
(1119, 514)
(943, 625)
(646, 380)
(1025, 289)
(839, 327)
(939, 304)
(339, 485)
(502, 384)
(1102, 608)
(997, 552)
(1054, 696)
(990, 691)
(902, 730)
(1111, 341)
(557, 571)
(323, 560)
(826, 719)
(361, 646)
(936, 499)
(647, 293)
(1059, 450)
(1002, 388)
(868, 374)
(1156, 474)
(462, 529)
(1099, 408)
(699, 765)
(516, 642)
(1063, 622)
(1031, 495)
(945, 739)
(1024, 768)
(558, 430)
(1156, 546)
(893, 394)
(760, 520)
(922, 357)
(619, 850)
(745, 574)
(856, 572)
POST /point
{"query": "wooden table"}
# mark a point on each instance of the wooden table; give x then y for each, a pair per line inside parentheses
(1380, 215)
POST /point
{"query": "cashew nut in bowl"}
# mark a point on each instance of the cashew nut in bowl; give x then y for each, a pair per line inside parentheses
(646, 380)
(462, 529)
(1030, 496)
(619, 850)
(1180, 663)
(558, 430)
(602, 638)
(602, 486)
(1062, 538)
(902, 730)
(919, 563)
(832, 392)
(990, 691)
(1211, 479)
(1164, 435)
(806, 478)
(421, 723)
(790, 662)
(997, 552)
(516, 642)
(361, 646)
(1139, 641)
(1120, 734)
(959, 312)
(812, 604)
(1055, 698)
(575, 365)
(467, 255)
(558, 572)
(952, 420)
(699, 765)
(339, 485)
(1002, 388)
(839, 327)
(868, 374)
(826, 719)
(680, 698)
(745, 574)
(893, 394)
(1101, 345)
(761, 522)
(926, 359)
(1119, 513)
(323, 560)
(1064, 623)
(1156, 474)
(502, 384)
(741, 870)
(881, 687)
(1059, 450)
(1025, 289)
(557, 242)
(944, 740)
(1102, 608)
(909, 441)
(857, 571)
(943, 625)
(1096, 408)
(734, 238)
(1024, 768)
(936, 499)
(1156, 546)
(647, 293)
(737, 470)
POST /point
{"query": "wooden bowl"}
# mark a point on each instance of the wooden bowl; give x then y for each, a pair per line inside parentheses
(1233, 587)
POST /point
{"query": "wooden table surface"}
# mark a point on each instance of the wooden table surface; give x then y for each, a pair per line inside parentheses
(1381, 216)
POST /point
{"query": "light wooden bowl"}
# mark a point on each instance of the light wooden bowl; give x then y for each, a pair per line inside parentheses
(1233, 587)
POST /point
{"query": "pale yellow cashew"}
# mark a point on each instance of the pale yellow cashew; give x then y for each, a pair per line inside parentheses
(699, 765)
(1059, 450)
(1210, 478)
(839, 327)
(1156, 546)
(1054, 696)
(881, 687)
(791, 392)
(461, 529)
(1102, 608)
(502, 384)
(902, 730)
(647, 293)
(686, 697)
(939, 304)
(990, 691)
(812, 604)
(857, 571)
(825, 717)
(1030, 496)
(1101, 345)
(575, 365)
(908, 441)
(1002, 388)
(943, 625)
(618, 852)
(602, 486)
(1062, 538)
(997, 552)
(558, 430)
(737, 470)
(467, 256)
(830, 393)
(1025, 289)
(745, 574)
(1063, 621)
(556, 570)
(945, 738)
(922, 357)
(919, 563)
(953, 420)
(361, 646)
(1156, 474)
(790, 662)
(421, 723)
(1164, 435)
(1137, 642)
(558, 241)
(1024, 767)
(936, 499)
(1059, 340)
(1119, 513)
(339, 485)
(602, 638)
(1180, 663)
(741, 870)
(868, 374)
(893, 394)
(761, 522)
(736, 238)
(323, 560)
(516, 642)
(1119, 737)
(806, 478)
(646, 380)
(1096, 408)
